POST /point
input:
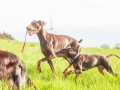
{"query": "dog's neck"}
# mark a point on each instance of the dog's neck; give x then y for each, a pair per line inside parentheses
(42, 34)
(76, 56)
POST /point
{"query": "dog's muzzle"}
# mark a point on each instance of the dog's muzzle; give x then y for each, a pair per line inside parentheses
(31, 32)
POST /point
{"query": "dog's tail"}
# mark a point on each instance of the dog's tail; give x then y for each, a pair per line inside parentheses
(80, 40)
(112, 55)
(30, 83)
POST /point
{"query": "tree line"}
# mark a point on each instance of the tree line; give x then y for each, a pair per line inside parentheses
(5, 35)
(117, 46)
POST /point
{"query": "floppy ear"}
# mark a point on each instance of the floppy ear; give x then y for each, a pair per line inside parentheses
(42, 23)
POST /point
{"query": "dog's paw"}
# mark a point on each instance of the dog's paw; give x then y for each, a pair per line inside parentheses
(64, 72)
(39, 69)
(65, 75)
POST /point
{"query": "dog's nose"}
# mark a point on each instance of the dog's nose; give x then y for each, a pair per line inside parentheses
(27, 27)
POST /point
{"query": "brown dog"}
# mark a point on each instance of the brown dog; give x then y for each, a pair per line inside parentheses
(83, 62)
(13, 70)
(50, 43)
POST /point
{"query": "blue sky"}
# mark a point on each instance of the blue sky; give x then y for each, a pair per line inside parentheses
(97, 22)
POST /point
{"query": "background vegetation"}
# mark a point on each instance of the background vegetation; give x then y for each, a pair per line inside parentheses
(5, 35)
(88, 80)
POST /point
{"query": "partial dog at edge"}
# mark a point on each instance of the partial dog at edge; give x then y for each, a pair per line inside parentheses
(13, 71)
(83, 62)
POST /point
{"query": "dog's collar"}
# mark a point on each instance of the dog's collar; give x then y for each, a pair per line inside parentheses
(76, 56)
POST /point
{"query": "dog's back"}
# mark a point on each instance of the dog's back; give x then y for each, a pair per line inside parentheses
(7, 63)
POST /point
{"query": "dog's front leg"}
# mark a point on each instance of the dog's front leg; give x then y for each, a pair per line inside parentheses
(39, 64)
(77, 75)
(78, 72)
(67, 68)
(51, 66)
(72, 72)
(70, 64)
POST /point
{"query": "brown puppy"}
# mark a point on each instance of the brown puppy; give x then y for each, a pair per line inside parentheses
(50, 43)
(82, 62)
(13, 70)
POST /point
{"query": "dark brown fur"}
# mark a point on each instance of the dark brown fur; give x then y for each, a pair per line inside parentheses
(13, 70)
(84, 62)
(50, 43)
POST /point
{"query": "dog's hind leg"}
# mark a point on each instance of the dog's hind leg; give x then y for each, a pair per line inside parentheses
(109, 68)
(102, 70)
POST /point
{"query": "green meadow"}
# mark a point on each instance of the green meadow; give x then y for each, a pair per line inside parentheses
(88, 80)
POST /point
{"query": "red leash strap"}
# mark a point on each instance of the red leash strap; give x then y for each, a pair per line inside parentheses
(24, 43)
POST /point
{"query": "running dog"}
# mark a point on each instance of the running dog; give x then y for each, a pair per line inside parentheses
(83, 62)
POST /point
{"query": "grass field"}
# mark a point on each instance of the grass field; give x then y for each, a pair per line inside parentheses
(88, 80)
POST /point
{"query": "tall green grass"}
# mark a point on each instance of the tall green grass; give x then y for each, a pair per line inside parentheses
(88, 80)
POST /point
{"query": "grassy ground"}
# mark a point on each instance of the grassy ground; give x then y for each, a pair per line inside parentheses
(88, 80)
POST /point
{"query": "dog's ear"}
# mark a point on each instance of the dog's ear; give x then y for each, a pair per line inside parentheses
(42, 23)
(34, 21)
(80, 40)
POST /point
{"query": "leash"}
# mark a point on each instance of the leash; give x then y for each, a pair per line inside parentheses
(24, 43)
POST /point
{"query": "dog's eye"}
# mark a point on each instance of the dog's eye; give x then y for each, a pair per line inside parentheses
(36, 25)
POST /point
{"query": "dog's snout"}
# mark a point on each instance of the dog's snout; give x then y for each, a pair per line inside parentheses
(27, 27)
(56, 53)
